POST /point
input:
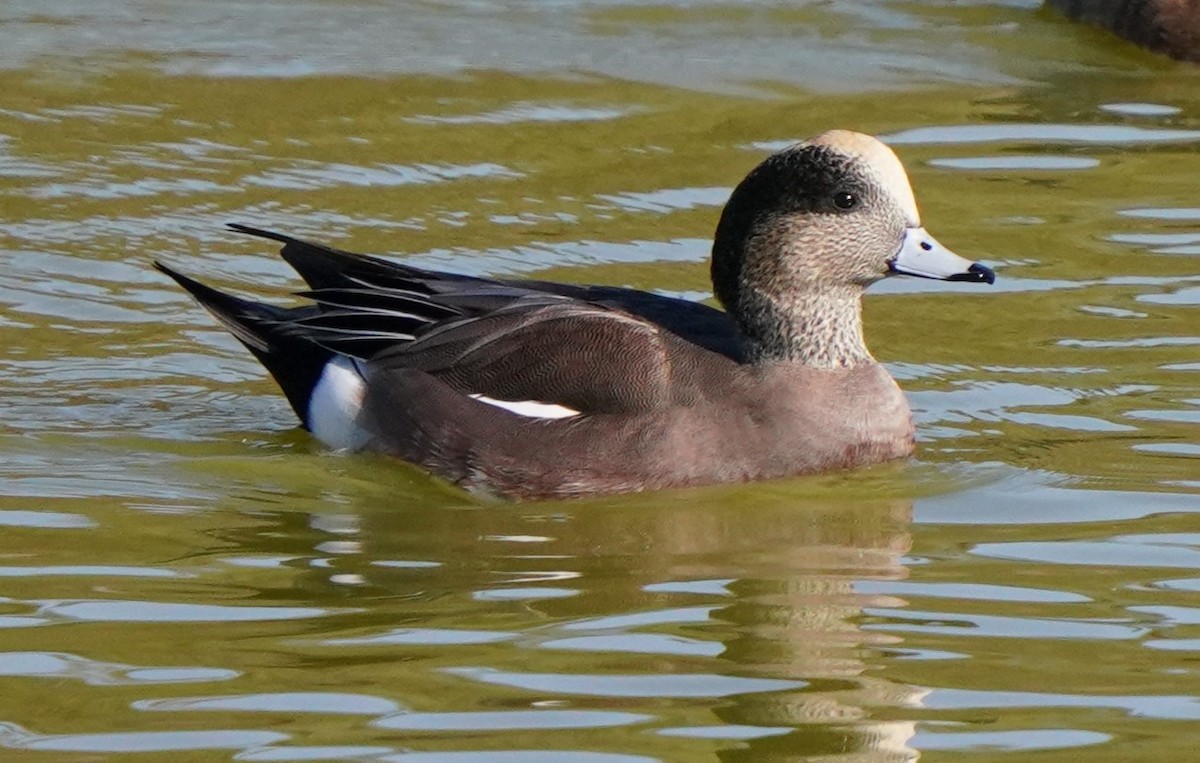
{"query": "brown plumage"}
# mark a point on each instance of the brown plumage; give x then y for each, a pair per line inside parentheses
(532, 389)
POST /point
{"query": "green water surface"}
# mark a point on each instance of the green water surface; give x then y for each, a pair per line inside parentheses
(185, 575)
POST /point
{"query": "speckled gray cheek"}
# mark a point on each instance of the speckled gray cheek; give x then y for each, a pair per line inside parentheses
(833, 249)
(882, 233)
(798, 182)
(790, 264)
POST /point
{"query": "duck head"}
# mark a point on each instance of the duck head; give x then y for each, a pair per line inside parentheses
(806, 232)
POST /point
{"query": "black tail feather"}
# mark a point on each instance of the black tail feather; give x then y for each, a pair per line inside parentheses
(268, 331)
(325, 267)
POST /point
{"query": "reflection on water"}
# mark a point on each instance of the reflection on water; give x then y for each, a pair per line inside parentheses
(183, 571)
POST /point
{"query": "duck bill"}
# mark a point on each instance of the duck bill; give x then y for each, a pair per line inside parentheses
(921, 255)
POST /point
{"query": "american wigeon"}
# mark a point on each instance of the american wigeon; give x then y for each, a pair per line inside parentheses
(536, 389)
(1165, 26)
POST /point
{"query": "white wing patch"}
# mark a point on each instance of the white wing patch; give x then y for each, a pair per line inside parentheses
(335, 403)
(530, 408)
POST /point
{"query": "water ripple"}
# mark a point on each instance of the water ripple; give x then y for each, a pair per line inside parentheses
(425, 637)
(317, 176)
(1164, 707)
(731, 731)
(526, 112)
(664, 685)
(16, 737)
(60, 665)
(334, 703)
(968, 591)
(1010, 163)
(999, 626)
(1005, 741)
(1040, 133)
(115, 611)
(294, 753)
(640, 643)
(44, 519)
(1130, 551)
(510, 720)
(84, 570)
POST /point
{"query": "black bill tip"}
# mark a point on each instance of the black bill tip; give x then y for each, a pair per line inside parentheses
(975, 274)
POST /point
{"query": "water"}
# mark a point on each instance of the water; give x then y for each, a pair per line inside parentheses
(183, 572)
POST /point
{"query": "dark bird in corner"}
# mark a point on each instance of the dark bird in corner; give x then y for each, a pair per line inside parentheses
(1164, 26)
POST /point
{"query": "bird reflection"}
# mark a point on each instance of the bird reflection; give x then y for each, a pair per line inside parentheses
(650, 604)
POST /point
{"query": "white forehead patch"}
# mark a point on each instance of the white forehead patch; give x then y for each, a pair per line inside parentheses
(879, 160)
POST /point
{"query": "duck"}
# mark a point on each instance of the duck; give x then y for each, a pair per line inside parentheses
(1164, 26)
(528, 389)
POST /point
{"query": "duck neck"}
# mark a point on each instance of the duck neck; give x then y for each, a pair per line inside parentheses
(813, 329)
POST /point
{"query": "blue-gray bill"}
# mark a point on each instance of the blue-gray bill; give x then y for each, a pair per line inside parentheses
(921, 255)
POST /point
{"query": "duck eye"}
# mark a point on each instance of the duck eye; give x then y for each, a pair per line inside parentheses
(845, 200)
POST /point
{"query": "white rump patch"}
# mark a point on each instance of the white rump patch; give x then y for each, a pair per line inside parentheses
(335, 403)
(530, 408)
